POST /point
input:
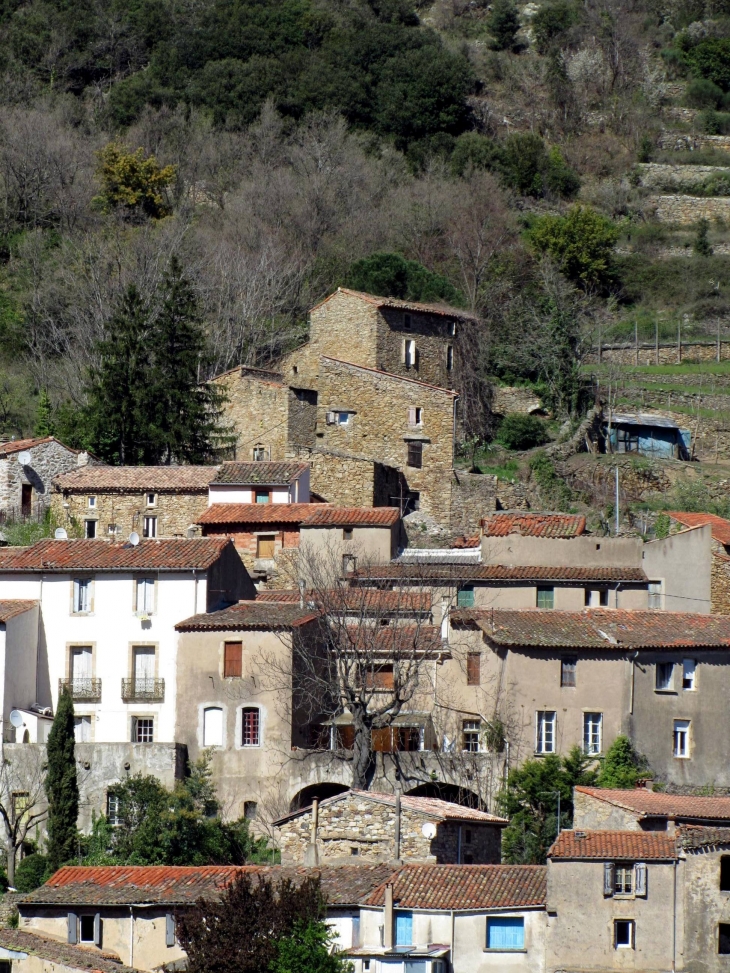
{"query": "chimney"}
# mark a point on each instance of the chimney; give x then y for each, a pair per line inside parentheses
(311, 854)
(388, 918)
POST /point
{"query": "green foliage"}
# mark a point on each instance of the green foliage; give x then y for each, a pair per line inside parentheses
(662, 526)
(527, 167)
(710, 59)
(520, 431)
(23, 533)
(551, 22)
(623, 766)
(307, 950)
(132, 182)
(503, 23)
(701, 244)
(646, 150)
(702, 93)
(580, 243)
(473, 151)
(31, 872)
(44, 425)
(390, 275)
(530, 801)
(555, 492)
(62, 788)
(714, 122)
(14, 919)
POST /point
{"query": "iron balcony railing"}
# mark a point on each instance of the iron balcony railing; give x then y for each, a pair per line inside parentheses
(143, 690)
(85, 689)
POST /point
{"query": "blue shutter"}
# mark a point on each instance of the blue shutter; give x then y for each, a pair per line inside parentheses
(169, 929)
(404, 929)
(505, 932)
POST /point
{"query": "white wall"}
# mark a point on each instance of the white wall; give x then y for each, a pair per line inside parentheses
(19, 640)
(683, 563)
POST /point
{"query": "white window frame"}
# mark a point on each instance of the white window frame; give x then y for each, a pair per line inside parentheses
(153, 501)
(545, 720)
(239, 730)
(681, 740)
(471, 727)
(655, 596)
(592, 734)
(662, 685)
(135, 722)
(689, 675)
(632, 934)
(112, 810)
(152, 521)
(145, 605)
(82, 596)
(92, 503)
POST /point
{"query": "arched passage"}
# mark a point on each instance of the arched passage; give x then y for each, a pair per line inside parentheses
(305, 796)
(447, 792)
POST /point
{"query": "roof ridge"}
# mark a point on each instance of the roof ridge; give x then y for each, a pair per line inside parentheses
(384, 374)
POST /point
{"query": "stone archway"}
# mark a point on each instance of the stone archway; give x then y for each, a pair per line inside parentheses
(306, 795)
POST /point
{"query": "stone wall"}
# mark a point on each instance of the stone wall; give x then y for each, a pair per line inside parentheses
(430, 332)
(667, 353)
(473, 496)
(258, 410)
(48, 460)
(655, 176)
(348, 481)
(278, 572)
(720, 585)
(678, 142)
(302, 423)
(687, 210)
(176, 512)
(507, 399)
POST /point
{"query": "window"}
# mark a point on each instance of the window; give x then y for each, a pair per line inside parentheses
(664, 674)
(567, 671)
(451, 329)
(546, 597)
(505, 932)
(342, 418)
(681, 738)
(92, 503)
(689, 669)
(233, 659)
(415, 455)
(471, 731)
(82, 729)
(404, 929)
(347, 533)
(723, 938)
(655, 597)
(90, 529)
(143, 669)
(213, 726)
(381, 678)
(265, 544)
(349, 564)
(545, 731)
(151, 499)
(81, 668)
(20, 802)
(143, 729)
(415, 416)
(149, 527)
(623, 879)
(623, 933)
(409, 353)
(259, 454)
(465, 596)
(250, 727)
(725, 873)
(112, 528)
(113, 809)
(145, 595)
(406, 322)
(82, 595)
(86, 929)
(592, 725)
(473, 667)
(596, 598)
(262, 496)
(250, 809)
(449, 358)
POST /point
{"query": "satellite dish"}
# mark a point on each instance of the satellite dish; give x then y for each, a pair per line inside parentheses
(60, 534)
(24, 458)
(429, 830)
(134, 538)
(16, 718)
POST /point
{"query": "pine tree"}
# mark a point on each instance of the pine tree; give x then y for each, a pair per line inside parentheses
(44, 424)
(503, 24)
(62, 787)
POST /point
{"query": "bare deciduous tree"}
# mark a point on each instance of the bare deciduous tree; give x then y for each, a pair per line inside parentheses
(23, 803)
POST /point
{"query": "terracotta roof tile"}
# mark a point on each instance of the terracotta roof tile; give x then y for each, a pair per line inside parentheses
(9, 609)
(466, 571)
(442, 309)
(430, 806)
(477, 887)
(249, 615)
(256, 513)
(720, 526)
(55, 951)
(599, 628)
(610, 845)
(259, 474)
(646, 803)
(123, 479)
(692, 837)
(98, 555)
(326, 516)
(534, 525)
(357, 599)
(467, 541)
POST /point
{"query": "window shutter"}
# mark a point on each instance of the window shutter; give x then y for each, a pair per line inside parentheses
(608, 878)
(73, 928)
(640, 884)
(169, 929)
(411, 415)
(403, 351)
(97, 929)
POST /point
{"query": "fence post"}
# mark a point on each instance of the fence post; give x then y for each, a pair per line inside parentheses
(656, 341)
(636, 339)
(679, 341)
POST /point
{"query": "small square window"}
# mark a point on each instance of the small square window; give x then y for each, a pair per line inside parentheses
(465, 596)
(723, 939)
(354, 851)
(86, 929)
(664, 676)
(725, 873)
(259, 454)
(92, 502)
(151, 499)
(143, 729)
(568, 668)
(112, 528)
(623, 879)
(623, 934)
(343, 418)
(546, 597)
(347, 533)
(415, 455)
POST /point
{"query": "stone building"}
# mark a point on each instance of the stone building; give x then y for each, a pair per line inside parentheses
(642, 809)
(27, 469)
(389, 827)
(113, 501)
(720, 559)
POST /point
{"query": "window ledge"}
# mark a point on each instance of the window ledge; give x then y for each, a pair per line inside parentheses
(504, 949)
(664, 692)
(543, 753)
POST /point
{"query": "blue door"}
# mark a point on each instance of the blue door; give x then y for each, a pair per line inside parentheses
(404, 929)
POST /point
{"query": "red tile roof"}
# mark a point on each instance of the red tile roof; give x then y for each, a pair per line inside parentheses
(441, 309)
(9, 609)
(357, 599)
(18, 445)
(608, 845)
(60, 953)
(646, 803)
(534, 525)
(256, 513)
(249, 615)
(469, 571)
(598, 628)
(466, 887)
(126, 479)
(720, 526)
(259, 474)
(692, 837)
(466, 541)
(326, 516)
(98, 555)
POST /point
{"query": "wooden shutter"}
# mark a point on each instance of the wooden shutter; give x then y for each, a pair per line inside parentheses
(232, 661)
(382, 740)
(473, 666)
(169, 929)
(73, 928)
(411, 415)
(608, 878)
(346, 737)
(97, 929)
(640, 879)
(265, 547)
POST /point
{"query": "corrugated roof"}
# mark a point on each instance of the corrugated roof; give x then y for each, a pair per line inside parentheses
(256, 513)
(441, 309)
(720, 526)
(9, 609)
(249, 615)
(646, 803)
(466, 571)
(18, 445)
(259, 474)
(534, 525)
(692, 837)
(642, 419)
(611, 845)
(465, 887)
(123, 479)
(99, 555)
(327, 516)
(599, 628)
(55, 951)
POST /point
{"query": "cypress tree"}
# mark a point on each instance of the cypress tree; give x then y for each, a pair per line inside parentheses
(62, 788)
(44, 424)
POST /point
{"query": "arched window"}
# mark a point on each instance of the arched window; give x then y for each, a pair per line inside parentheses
(213, 726)
(250, 727)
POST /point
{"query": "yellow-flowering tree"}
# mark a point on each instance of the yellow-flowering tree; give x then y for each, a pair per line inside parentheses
(132, 182)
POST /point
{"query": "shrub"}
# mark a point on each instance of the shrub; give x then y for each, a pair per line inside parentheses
(560, 179)
(710, 59)
(503, 23)
(132, 182)
(391, 275)
(703, 93)
(31, 872)
(551, 21)
(701, 244)
(714, 122)
(520, 431)
(553, 490)
(647, 147)
(581, 244)
(473, 151)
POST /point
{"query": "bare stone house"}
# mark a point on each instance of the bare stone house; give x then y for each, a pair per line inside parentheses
(27, 469)
(643, 809)
(375, 827)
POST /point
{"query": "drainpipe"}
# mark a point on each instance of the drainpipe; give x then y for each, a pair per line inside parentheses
(397, 826)
(388, 918)
(131, 936)
(633, 674)
(453, 938)
(674, 920)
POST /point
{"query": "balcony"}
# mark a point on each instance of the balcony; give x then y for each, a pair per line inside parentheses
(84, 689)
(143, 690)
